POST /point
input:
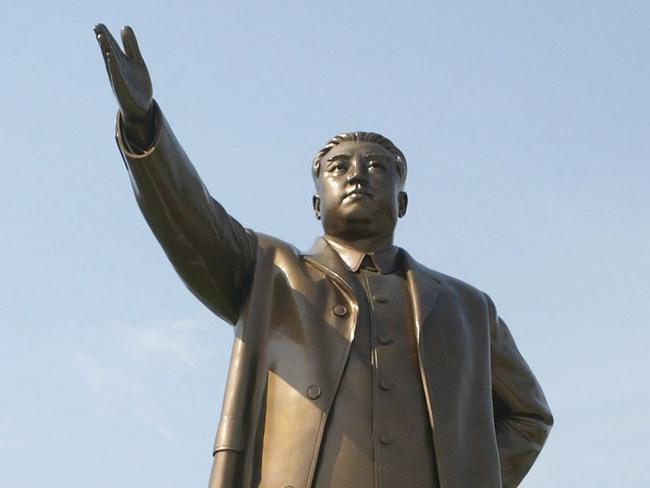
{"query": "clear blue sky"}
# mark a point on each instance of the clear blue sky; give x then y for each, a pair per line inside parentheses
(527, 130)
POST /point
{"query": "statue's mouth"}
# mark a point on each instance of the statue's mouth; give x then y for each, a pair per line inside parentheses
(358, 193)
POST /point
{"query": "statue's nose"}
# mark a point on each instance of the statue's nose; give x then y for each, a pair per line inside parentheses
(357, 173)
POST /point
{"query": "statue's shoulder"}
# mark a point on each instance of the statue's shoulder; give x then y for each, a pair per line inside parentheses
(272, 246)
(454, 286)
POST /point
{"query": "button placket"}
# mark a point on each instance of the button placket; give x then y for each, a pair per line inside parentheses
(385, 384)
(384, 339)
(385, 438)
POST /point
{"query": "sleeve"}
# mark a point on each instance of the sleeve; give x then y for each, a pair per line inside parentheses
(210, 250)
(522, 416)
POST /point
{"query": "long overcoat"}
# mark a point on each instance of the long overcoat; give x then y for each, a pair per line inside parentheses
(294, 317)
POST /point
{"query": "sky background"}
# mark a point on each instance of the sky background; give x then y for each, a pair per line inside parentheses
(527, 131)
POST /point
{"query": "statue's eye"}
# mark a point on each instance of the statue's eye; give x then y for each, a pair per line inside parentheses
(376, 165)
(339, 166)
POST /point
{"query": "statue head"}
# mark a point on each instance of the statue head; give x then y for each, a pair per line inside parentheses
(359, 178)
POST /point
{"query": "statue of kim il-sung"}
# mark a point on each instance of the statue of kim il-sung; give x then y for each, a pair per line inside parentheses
(353, 365)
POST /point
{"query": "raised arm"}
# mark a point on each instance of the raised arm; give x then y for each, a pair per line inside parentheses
(211, 251)
(522, 417)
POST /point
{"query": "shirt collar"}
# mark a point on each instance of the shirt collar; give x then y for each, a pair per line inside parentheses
(385, 260)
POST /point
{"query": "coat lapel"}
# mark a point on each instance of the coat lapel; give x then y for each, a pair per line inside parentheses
(424, 289)
(327, 260)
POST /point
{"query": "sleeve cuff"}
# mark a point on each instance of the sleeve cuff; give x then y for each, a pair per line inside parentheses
(123, 143)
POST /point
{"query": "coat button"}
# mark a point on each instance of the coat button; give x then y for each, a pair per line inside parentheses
(380, 298)
(314, 391)
(340, 310)
(385, 438)
(384, 384)
(384, 339)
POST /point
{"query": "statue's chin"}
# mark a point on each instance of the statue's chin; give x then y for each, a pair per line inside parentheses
(356, 228)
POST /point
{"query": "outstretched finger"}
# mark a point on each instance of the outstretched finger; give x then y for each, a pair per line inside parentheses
(102, 38)
(116, 76)
(105, 48)
(104, 45)
(100, 29)
(130, 43)
(106, 40)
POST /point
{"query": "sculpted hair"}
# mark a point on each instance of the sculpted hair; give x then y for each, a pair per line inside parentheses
(361, 136)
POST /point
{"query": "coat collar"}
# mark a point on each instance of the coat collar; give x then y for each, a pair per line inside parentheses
(424, 285)
(384, 260)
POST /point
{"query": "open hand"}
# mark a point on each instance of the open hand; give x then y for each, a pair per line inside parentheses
(128, 74)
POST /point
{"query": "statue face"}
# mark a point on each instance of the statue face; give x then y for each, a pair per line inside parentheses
(359, 191)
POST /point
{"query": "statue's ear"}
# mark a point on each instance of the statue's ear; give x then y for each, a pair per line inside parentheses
(315, 201)
(402, 203)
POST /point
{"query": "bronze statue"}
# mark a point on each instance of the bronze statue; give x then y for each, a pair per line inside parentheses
(352, 365)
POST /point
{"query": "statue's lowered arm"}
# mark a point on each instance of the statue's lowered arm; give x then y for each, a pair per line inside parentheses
(211, 251)
(522, 418)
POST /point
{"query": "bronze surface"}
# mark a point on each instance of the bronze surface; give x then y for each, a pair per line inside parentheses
(295, 314)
